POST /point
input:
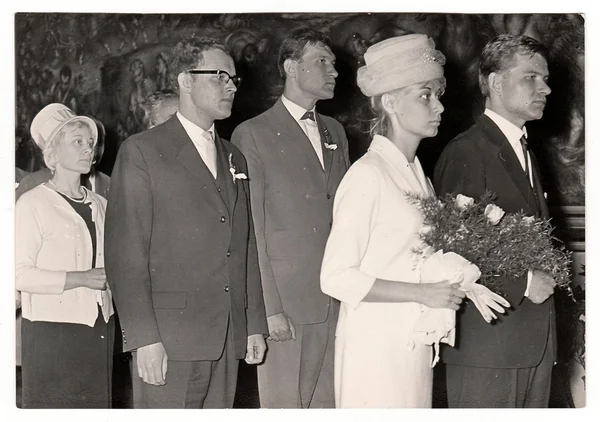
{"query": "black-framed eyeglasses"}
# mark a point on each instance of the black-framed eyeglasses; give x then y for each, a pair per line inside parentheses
(222, 76)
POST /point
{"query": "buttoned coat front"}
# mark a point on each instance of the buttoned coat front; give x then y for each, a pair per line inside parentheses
(180, 249)
(378, 363)
(292, 200)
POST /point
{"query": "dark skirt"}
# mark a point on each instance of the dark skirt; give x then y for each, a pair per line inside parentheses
(67, 365)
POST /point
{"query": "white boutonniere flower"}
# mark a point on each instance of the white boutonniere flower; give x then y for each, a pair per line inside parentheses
(329, 144)
(233, 171)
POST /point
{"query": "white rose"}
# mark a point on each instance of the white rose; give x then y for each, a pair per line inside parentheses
(494, 213)
(463, 202)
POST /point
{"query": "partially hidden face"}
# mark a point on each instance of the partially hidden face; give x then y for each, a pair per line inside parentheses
(523, 89)
(316, 72)
(211, 98)
(75, 150)
(418, 108)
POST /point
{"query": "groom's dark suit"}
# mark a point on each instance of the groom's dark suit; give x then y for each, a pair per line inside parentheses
(181, 254)
(477, 160)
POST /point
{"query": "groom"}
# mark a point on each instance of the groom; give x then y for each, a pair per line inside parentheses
(507, 363)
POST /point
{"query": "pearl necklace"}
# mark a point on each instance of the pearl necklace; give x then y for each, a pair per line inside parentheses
(81, 200)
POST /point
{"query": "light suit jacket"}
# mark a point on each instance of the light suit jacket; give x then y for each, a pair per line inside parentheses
(292, 201)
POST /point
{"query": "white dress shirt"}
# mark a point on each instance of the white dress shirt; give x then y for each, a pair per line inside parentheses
(309, 127)
(513, 134)
(200, 138)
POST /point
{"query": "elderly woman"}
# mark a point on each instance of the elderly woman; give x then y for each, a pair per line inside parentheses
(368, 263)
(67, 330)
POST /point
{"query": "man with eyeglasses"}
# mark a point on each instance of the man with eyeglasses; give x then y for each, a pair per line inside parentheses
(296, 159)
(181, 254)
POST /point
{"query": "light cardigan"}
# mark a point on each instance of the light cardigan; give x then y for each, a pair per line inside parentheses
(52, 239)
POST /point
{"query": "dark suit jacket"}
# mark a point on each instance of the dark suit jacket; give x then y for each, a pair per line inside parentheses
(180, 249)
(482, 158)
(31, 180)
(292, 201)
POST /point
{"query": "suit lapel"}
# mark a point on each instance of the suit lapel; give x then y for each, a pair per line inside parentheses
(538, 189)
(327, 153)
(223, 154)
(510, 162)
(295, 136)
(189, 157)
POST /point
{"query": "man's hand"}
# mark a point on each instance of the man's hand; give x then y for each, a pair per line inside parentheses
(255, 350)
(541, 287)
(281, 328)
(151, 363)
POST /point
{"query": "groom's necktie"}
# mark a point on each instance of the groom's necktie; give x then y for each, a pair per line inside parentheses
(533, 181)
(525, 147)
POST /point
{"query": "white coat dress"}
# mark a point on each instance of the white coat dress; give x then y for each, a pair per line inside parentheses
(379, 361)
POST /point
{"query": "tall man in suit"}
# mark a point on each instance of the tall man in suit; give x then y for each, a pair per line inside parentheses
(180, 249)
(507, 363)
(296, 160)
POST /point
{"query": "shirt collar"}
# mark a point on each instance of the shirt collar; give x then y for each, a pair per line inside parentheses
(512, 132)
(295, 110)
(194, 132)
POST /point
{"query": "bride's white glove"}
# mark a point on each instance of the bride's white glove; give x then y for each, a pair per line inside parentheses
(485, 300)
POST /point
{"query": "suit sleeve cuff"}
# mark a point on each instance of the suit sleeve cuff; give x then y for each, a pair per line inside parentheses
(529, 277)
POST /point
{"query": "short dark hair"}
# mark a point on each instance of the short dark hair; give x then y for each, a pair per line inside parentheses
(293, 45)
(187, 53)
(498, 55)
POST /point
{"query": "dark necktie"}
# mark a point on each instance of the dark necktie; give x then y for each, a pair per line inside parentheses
(308, 115)
(534, 182)
(526, 155)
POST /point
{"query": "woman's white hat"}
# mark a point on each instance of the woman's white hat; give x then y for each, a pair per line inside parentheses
(51, 119)
(398, 62)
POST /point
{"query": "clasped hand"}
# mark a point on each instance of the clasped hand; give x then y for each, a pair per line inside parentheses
(541, 287)
(450, 294)
(281, 328)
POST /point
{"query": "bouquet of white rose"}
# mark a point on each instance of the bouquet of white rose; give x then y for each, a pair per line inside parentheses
(501, 245)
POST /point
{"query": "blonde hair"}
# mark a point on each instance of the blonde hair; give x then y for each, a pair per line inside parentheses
(49, 151)
(379, 124)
